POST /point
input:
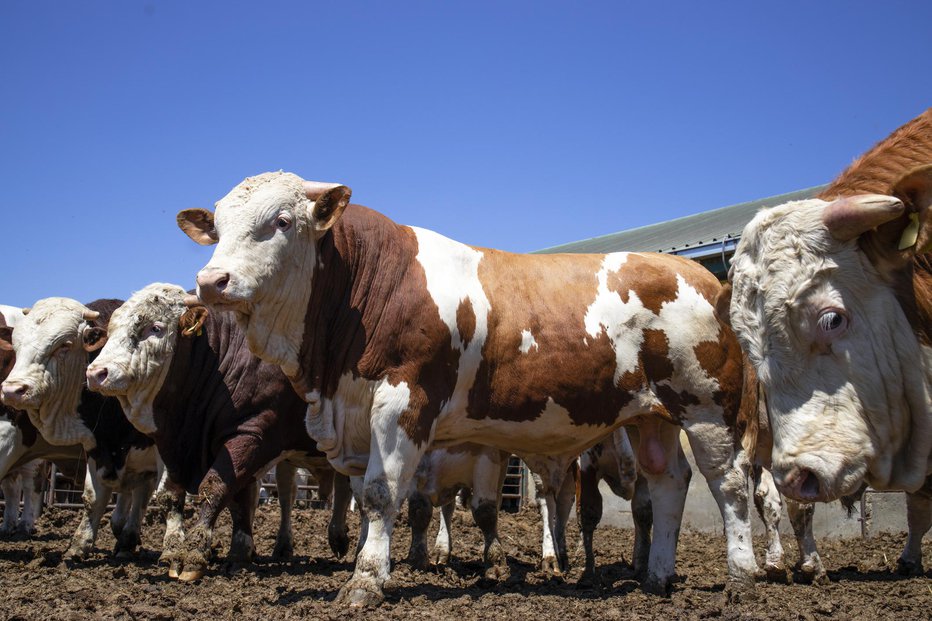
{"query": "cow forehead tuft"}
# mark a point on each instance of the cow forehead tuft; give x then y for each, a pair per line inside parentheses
(157, 300)
(244, 191)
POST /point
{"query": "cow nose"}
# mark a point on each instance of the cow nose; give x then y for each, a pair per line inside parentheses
(13, 393)
(96, 376)
(211, 284)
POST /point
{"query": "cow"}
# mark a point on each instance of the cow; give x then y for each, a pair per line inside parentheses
(441, 474)
(400, 339)
(51, 344)
(831, 298)
(612, 460)
(23, 452)
(219, 416)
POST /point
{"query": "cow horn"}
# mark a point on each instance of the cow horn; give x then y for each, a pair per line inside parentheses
(847, 218)
(191, 301)
(26, 311)
(90, 315)
(314, 189)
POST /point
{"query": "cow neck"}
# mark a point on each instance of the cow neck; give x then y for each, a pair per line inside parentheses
(113, 435)
(196, 389)
(362, 262)
(60, 417)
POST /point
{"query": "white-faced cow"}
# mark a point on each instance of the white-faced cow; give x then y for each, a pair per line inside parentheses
(47, 381)
(23, 452)
(218, 415)
(832, 300)
(400, 339)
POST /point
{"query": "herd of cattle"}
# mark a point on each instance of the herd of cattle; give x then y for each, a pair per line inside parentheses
(397, 364)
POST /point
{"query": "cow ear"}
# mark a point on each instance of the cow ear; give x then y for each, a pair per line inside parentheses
(329, 207)
(192, 320)
(94, 337)
(6, 338)
(893, 245)
(198, 224)
(723, 304)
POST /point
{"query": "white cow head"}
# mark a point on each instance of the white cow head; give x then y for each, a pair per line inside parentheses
(819, 292)
(51, 344)
(142, 336)
(266, 230)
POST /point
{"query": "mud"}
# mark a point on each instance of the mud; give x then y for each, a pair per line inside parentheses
(36, 584)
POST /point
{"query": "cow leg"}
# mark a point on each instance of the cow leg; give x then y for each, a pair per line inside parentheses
(726, 473)
(242, 513)
(810, 564)
(215, 496)
(170, 500)
(443, 545)
(287, 490)
(566, 498)
(129, 538)
(337, 530)
(120, 513)
(325, 480)
(919, 520)
(11, 485)
(590, 513)
(643, 516)
(420, 512)
(357, 484)
(32, 496)
(547, 505)
(488, 478)
(95, 497)
(667, 473)
(770, 508)
(393, 459)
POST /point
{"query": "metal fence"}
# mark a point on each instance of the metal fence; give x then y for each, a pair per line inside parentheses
(61, 491)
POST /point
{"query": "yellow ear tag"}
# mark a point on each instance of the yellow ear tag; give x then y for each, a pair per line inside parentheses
(910, 233)
(190, 331)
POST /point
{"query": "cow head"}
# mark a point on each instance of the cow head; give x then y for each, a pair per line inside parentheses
(817, 303)
(266, 230)
(51, 344)
(143, 335)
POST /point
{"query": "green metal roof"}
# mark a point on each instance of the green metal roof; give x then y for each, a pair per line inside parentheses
(682, 234)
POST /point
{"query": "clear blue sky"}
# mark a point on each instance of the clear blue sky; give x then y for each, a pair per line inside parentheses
(515, 125)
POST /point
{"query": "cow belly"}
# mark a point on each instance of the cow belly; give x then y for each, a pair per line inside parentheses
(140, 466)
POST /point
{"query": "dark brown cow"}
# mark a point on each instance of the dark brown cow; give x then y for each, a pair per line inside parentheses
(219, 417)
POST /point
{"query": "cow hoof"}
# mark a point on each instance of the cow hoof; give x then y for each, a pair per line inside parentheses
(283, 551)
(498, 572)
(7, 531)
(440, 556)
(909, 568)
(418, 560)
(551, 567)
(740, 590)
(75, 555)
(338, 540)
(657, 586)
(590, 579)
(191, 575)
(776, 573)
(174, 569)
(812, 573)
(124, 554)
(360, 595)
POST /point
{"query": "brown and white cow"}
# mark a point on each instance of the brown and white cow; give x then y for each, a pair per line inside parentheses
(399, 339)
(832, 299)
(219, 416)
(47, 381)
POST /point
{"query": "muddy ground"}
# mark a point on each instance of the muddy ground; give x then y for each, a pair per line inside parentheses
(35, 584)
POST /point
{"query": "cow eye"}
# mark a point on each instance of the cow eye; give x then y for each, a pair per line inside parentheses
(831, 323)
(283, 223)
(64, 348)
(157, 329)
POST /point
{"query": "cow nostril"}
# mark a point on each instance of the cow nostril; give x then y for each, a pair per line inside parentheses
(222, 282)
(101, 376)
(808, 485)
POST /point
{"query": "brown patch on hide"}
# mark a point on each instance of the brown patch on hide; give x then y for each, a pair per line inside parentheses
(655, 284)
(466, 321)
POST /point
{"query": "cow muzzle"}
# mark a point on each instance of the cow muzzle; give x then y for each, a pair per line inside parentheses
(18, 395)
(105, 379)
(212, 284)
(96, 377)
